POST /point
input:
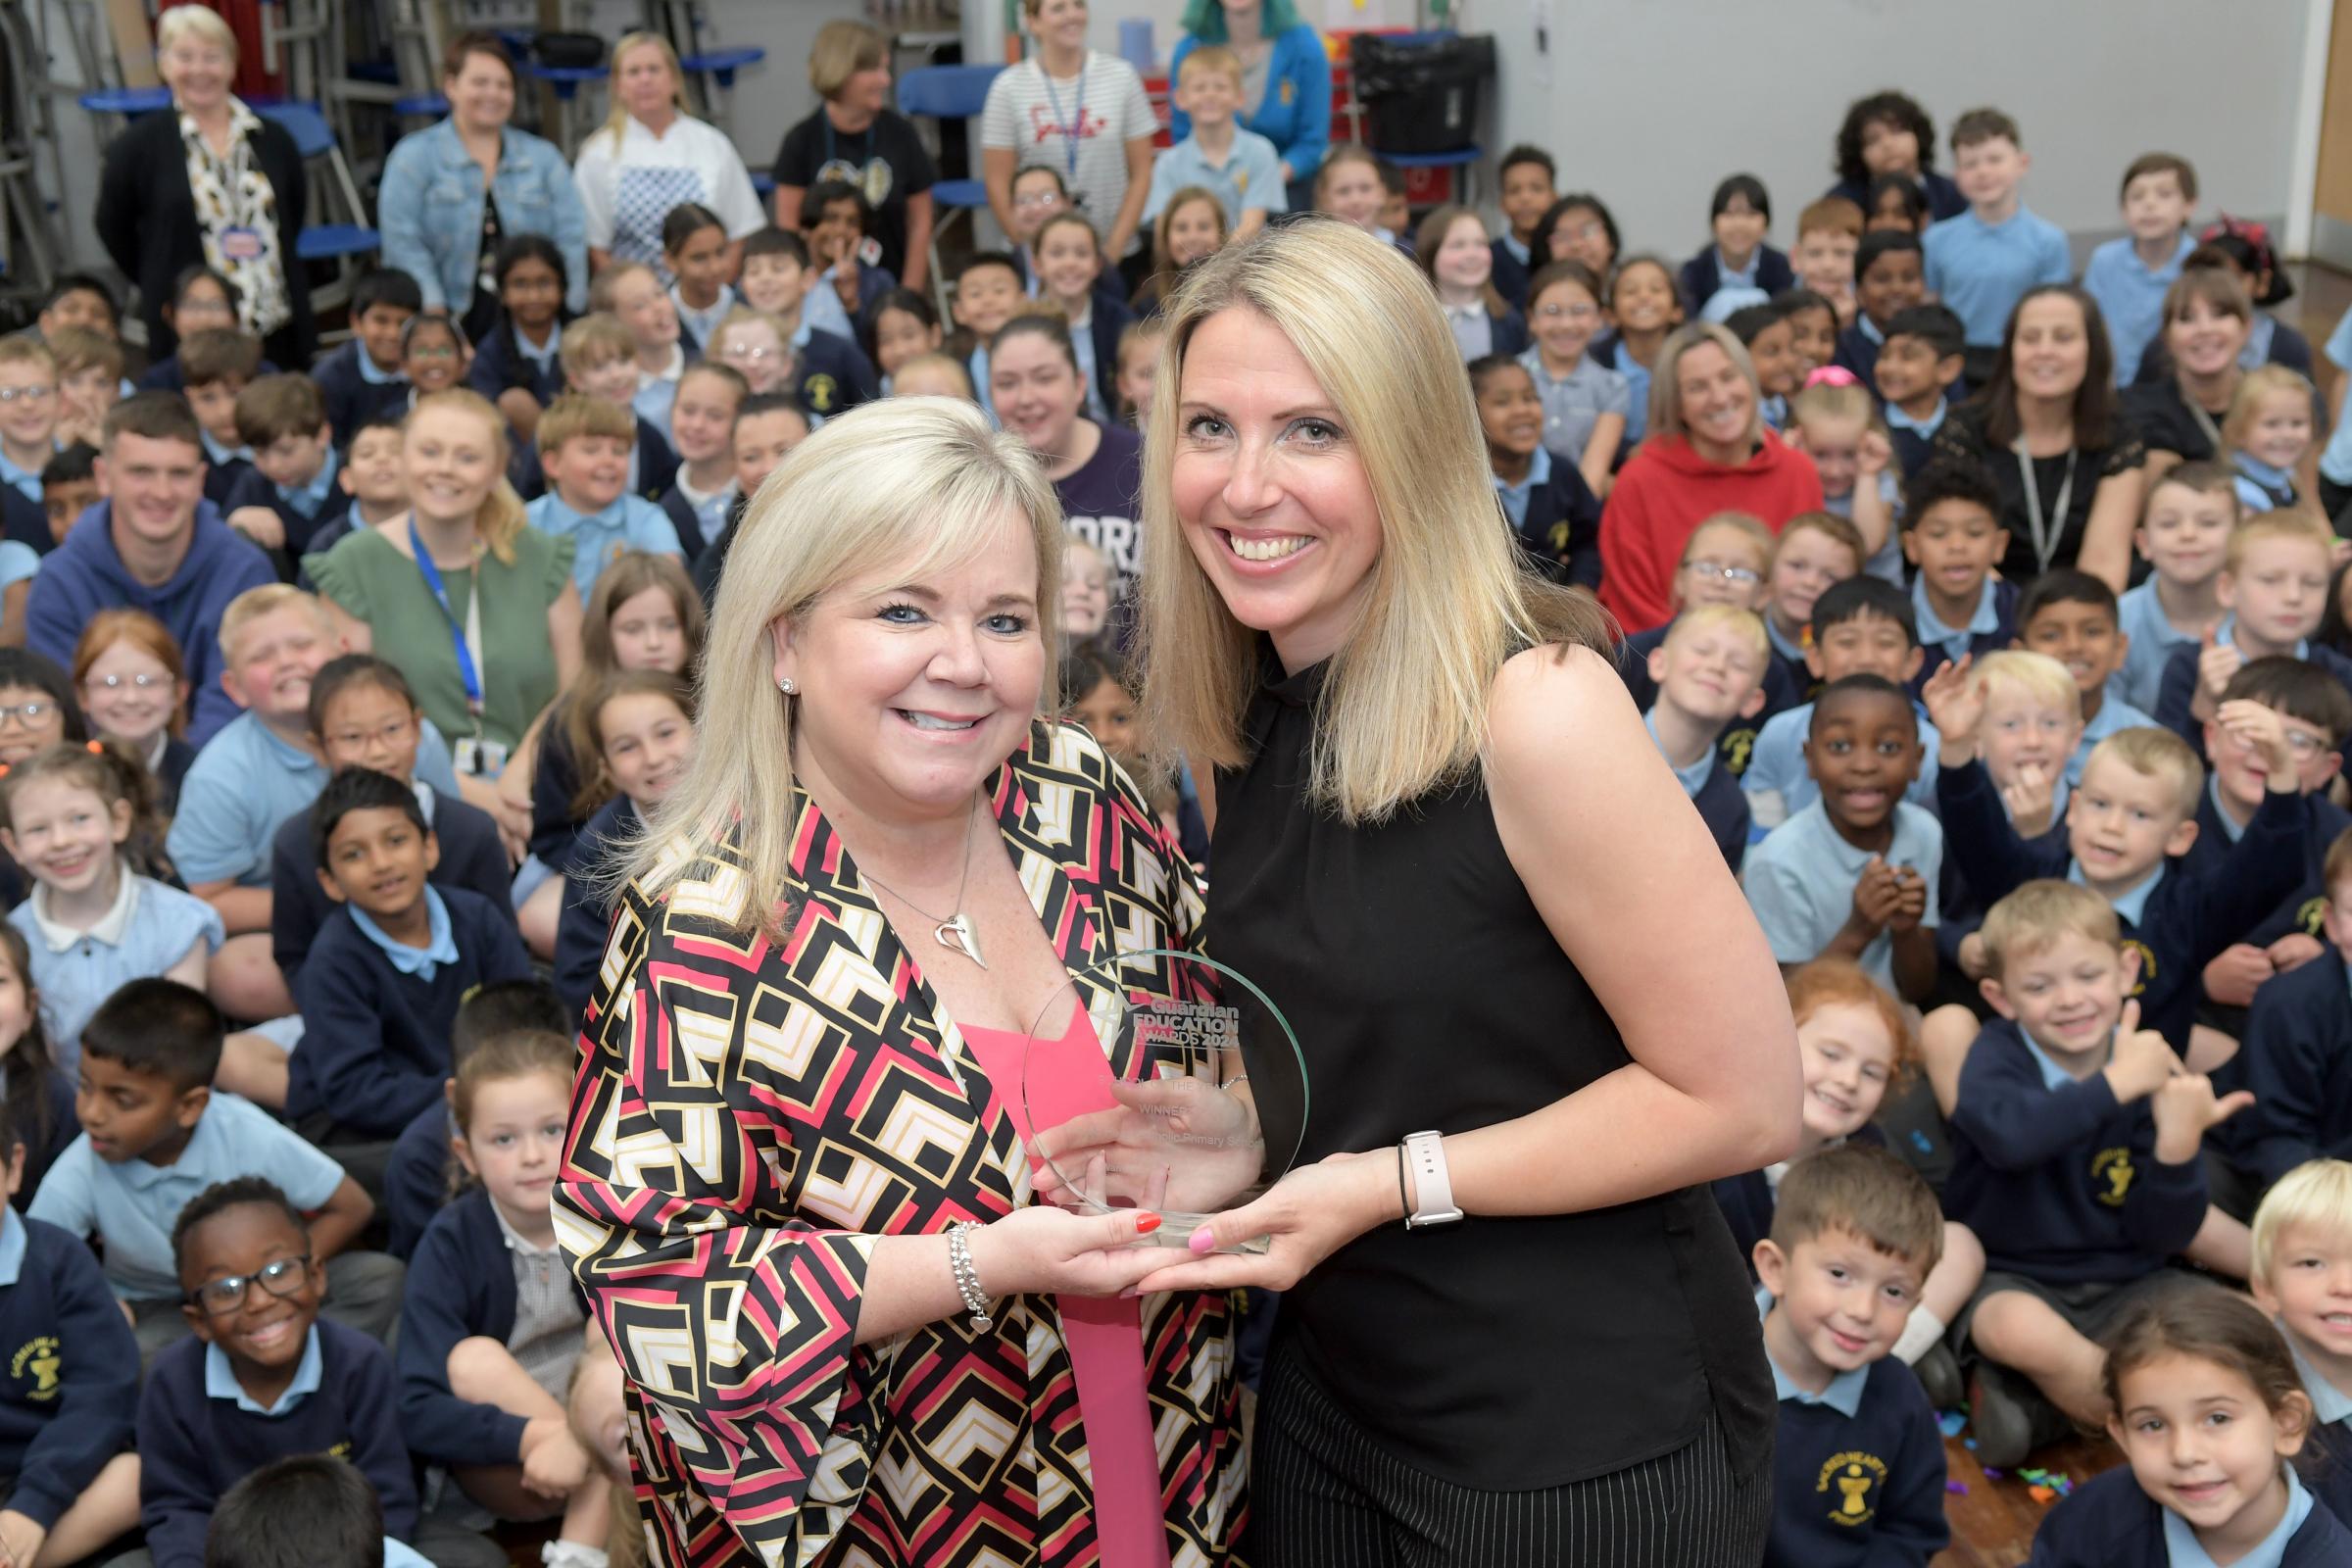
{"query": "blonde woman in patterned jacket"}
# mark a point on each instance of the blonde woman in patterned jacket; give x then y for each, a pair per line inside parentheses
(788, 1098)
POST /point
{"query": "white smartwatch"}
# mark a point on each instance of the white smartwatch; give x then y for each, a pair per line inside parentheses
(1433, 1192)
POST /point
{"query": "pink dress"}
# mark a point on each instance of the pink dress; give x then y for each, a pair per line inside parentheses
(1105, 1334)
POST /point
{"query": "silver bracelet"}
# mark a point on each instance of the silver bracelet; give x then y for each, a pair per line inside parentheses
(967, 1278)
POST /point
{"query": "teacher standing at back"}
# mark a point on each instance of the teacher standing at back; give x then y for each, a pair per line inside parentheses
(1084, 114)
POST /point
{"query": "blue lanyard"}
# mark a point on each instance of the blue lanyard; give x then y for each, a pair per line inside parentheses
(1068, 127)
(459, 638)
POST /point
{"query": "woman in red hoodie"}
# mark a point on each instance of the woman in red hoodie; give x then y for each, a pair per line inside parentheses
(1708, 450)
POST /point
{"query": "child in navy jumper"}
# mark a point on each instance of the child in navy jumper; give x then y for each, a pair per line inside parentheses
(2302, 1256)
(290, 491)
(364, 714)
(1953, 539)
(66, 1486)
(2201, 1395)
(2274, 585)
(1888, 277)
(2075, 1159)
(1724, 561)
(2298, 1051)
(263, 1379)
(1741, 213)
(311, 1511)
(1708, 674)
(383, 980)
(1552, 510)
(1816, 549)
(702, 425)
(1858, 1466)
(366, 375)
(2072, 617)
(640, 736)
(2127, 825)
(516, 365)
(214, 366)
(1529, 187)
(372, 487)
(491, 1339)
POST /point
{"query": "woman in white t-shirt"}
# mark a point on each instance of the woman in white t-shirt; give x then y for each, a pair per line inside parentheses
(650, 157)
(1083, 112)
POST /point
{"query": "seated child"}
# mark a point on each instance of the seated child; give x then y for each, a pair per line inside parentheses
(1350, 185)
(263, 1379)
(1918, 373)
(829, 370)
(363, 714)
(694, 248)
(1812, 330)
(1815, 550)
(584, 446)
(203, 299)
(1983, 261)
(1858, 1466)
(1139, 367)
(599, 361)
(518, 365)
(1837, 427)
(2126, 825)
(311, 1511)
(1190, 228)
(1643, 308)
(255, 774)
(1239, 166)
(2128, 274)
(216, 368)
(416, 1176)
(703, 423)
(934, 376)
(1552, 510)
(433, 352)
(2302, 1245)
(28, 417)
(1771, 344)
(2201, 1395)
(2185, 538)
(903, 324)
(637, 739)
(2274, 584)
(65, 1406)
(485, 1386)
(2265, 434)
(290, 490)
(1828, 234)
(80, 820)
(1861, 627)
(36, 1101)
(1741, 213)
(1886, 278)
(1853, 874)
(89, 381)
(133, 686)
(1069, 265)
(2072, 617)
(2032, 715)
(79, 302)
(1723, 563)
(769, 426)
(1530, 185)
(2297, 1056)
(69, 488)
(2077, 1138)
(1085, 592)
(372, 478)
(1953, 539)
(632, 293)
(367, 377)
(155, 1133)
(1708, 674)
(382, 982)
(987, 290)
(835, 221)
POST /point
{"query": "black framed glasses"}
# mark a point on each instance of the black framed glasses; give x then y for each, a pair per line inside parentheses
(280, 1277)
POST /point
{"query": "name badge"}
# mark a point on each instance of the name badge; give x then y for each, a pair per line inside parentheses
(482, 759)
(241, 244)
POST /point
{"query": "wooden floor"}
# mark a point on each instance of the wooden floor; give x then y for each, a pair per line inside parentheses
(1993, 1521)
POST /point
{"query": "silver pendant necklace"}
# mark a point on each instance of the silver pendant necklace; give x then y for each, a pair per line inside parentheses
(955, 931)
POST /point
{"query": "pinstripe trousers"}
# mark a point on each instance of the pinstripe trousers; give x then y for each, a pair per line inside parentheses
(1323, 1495)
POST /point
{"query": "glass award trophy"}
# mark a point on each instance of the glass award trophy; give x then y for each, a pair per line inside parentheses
(1165, 1081)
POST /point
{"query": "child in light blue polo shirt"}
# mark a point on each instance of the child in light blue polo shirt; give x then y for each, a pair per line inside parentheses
(584, 445)
(1983, 262)
(2128, 274)
(28, 411)
(1238, 166)
(2185, 536)
(1861, 625)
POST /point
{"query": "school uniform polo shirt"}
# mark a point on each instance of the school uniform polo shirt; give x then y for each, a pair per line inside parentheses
(131, 1206)
(1473, 329)
(2114, 714)
(1800, 883)
(2260, 486)
(600, 538)
(440, 943)
(1573, 404)
(1911, 438)
(657, 390)
(27, 481)
(2140, 615)
(1517, 495)
(1983, 270)
(2182, 1546)
(2130, 296)
(1250, 177)
(1955, 642)
(148, 928)
(697, 325)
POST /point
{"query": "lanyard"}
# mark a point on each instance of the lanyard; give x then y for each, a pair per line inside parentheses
(870, 143)
(472, 638)
(2043, 541)
(1067, 126)
(2204, 423)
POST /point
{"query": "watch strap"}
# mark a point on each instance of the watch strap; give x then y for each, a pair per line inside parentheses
(1433, 1188)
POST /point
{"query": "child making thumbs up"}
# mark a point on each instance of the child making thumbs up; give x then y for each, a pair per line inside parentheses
(2075, 1159)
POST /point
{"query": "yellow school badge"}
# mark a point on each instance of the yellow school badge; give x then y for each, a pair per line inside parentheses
(41, 1358)
(2147, 964)
(821, 393)
(1737, 746)
(2311, 919)
(1849, 1476)
(2110, 1171)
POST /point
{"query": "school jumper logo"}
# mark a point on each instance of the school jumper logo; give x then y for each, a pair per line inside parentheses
(2147, 964)
(41, 1357)
(821, 393)
(2112, 1171)
(1737, 746)
(2310, 919)
(1849, 1476)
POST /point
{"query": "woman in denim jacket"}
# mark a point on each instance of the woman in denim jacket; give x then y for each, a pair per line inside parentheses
(438, 228)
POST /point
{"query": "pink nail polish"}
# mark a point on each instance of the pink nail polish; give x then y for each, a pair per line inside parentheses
(1202, 1239)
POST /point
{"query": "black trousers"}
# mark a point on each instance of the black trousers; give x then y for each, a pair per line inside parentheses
(1322, 1494)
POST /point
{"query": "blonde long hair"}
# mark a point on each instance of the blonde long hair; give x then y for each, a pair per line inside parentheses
(617, 120)
(904, 476)
(500, 521)
(1404, 710)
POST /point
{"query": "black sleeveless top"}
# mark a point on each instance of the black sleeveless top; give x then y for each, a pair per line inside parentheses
(1500, 1353)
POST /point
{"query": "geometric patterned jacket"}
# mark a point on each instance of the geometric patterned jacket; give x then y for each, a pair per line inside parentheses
(748, 1116)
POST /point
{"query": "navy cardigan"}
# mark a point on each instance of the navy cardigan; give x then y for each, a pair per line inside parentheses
(473, 858)
(1701, 277)
(72, 1375)
(587, 917)
(2108, 1522)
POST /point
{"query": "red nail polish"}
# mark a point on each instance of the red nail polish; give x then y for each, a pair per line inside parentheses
(1146, 1224)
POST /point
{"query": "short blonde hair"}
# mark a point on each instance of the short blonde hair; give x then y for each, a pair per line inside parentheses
(2286, 522)
(2158, 754)
(2315, 1192)
(195, 23)
(923, 476)
(619, 120)
(845, 47)
(575, 415)
(1666, 393)
(1211, 57)
(2263, 382)
(267, 600)
(1744, 625)
(2037, 914)
(2034, 676)
(1444, 602)
(594, 340)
